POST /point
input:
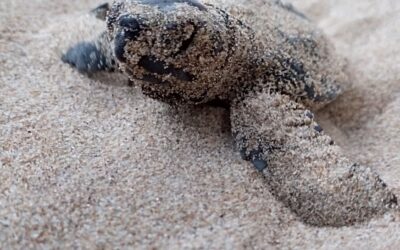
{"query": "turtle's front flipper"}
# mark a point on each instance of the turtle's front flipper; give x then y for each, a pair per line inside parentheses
(100, 12)
(303, 166)
(91, 57)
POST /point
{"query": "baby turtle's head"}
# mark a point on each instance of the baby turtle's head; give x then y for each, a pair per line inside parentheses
(181, 50)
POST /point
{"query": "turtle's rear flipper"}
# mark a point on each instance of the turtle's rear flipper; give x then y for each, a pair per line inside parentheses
(91, 57)
(302, 165)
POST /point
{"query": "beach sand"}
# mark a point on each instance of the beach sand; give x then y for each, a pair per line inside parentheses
(92, 163)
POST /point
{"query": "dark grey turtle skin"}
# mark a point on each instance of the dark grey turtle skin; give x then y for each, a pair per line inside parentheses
(271, 66)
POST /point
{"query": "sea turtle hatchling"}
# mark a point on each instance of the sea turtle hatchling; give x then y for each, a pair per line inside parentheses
(271, 66)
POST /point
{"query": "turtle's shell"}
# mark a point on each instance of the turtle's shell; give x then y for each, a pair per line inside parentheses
(194, 52)
(308, 55)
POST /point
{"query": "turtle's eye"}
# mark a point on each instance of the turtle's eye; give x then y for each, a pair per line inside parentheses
(130, 25)
(128, 22)
(129, 30)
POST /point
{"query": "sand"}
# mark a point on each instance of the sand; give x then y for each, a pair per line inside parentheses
(92, 163)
